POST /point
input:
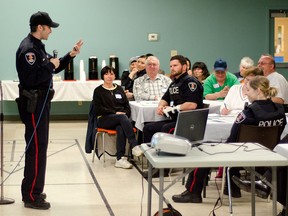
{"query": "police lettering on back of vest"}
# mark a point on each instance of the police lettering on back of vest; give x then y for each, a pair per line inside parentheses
(269, 123)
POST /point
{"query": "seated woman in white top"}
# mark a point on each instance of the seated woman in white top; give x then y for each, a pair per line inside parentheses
(236, 98)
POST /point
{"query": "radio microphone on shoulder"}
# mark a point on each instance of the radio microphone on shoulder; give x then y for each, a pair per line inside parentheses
(55, 53)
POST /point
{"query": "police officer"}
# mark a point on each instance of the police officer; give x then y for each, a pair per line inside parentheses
(35, 69)
(184, 93)
(262, 112)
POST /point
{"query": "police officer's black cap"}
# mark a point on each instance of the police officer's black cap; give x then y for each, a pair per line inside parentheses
(42, 18)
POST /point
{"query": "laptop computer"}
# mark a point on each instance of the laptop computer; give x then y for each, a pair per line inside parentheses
(189, 132)
(192, 125)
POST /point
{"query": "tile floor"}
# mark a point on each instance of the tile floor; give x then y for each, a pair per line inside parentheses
(76, 186)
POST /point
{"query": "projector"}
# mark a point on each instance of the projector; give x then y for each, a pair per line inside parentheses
(169, 143)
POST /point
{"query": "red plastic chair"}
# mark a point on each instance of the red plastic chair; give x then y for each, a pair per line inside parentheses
(103, 132)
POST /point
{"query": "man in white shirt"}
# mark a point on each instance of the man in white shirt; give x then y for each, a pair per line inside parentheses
(268, 65)
(152, 85)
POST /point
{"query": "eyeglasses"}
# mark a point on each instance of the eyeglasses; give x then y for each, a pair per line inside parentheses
(152, 65)
(263, 63)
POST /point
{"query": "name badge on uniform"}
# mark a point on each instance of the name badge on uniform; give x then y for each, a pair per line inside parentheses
(216, 85)
(118, 96)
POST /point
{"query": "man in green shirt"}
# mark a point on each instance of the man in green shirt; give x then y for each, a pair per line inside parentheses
(217, 85)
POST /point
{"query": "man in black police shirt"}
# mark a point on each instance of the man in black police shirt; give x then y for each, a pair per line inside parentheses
(184, 93)
(35, 69)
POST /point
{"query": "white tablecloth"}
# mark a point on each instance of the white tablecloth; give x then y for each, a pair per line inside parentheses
(218, 127)
(282, 149)
(144, 111)
(64, 90)
(214, 105)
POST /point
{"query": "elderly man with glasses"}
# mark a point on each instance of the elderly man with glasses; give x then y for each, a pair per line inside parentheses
(268, 65)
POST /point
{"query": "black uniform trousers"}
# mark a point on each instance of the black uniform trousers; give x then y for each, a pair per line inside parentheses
(36, 146)
(195, 181)
(161, 126)
(124, 128)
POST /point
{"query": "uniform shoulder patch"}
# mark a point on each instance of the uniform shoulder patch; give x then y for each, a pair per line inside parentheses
(240, 118)
(192, 86)
(30, 58)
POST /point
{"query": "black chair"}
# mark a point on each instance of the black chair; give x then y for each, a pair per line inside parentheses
(285, 108)
(266, 136)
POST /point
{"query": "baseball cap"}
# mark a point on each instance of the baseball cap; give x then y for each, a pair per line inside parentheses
(220, 65)
(133, 59)
(42, 18)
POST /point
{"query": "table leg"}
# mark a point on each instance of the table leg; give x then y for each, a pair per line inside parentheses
(149, 189)
(229, 190)
(253, 191)
(161, 191)
(274, 189)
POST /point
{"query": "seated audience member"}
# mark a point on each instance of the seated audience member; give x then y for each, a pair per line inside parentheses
(113, 112)
(236, 98)
(189, 71)
(152, 85)
(200, 71)
(184, 93)
(268, 65)
(261, 109)
(217, 85)
(132, 69)
(129, 81)
(160, 70)
(245, 63)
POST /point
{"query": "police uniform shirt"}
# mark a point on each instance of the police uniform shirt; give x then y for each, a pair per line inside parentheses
(33, 64)
(184, 89)
(263, 113)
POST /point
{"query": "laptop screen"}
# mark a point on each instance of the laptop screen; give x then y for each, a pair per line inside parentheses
(191, 125)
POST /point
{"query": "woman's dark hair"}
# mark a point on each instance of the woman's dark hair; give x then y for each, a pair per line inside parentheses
(187, 59)
(201, 65)
(106, 70)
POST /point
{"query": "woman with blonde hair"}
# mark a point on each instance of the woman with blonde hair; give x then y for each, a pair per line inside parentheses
(262, 112)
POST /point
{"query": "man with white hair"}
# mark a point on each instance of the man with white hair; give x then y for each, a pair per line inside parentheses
(152, 85)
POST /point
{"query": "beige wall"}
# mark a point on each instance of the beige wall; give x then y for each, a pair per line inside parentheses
(282, 23)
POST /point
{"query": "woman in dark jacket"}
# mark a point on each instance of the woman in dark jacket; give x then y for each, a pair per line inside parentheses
(261, 112)
(113, 112)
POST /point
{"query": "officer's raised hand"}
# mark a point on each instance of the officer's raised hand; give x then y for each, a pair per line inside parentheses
(76, 49)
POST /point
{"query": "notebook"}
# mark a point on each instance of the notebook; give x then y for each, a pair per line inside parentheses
(192, 124)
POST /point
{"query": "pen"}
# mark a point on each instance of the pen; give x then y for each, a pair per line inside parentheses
(225, 105)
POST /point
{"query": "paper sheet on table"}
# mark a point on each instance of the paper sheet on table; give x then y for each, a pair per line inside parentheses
(221, 118)
(149, 103)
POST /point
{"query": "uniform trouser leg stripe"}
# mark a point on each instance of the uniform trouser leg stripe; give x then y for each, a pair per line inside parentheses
(194, 180)
(36, 156)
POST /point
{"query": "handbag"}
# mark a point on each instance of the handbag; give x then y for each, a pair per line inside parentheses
(169, 211)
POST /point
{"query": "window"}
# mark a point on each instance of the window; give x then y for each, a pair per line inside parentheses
(279, 35)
